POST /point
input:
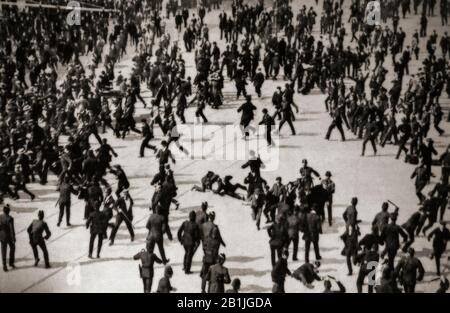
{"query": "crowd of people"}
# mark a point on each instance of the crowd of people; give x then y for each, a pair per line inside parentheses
(47, 119)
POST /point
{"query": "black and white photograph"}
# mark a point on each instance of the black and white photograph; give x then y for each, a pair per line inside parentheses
(224, 147)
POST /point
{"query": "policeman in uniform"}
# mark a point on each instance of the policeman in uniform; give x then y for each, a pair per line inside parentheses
(156, 228)
(218, 276)
(189, 237)
(148, 259)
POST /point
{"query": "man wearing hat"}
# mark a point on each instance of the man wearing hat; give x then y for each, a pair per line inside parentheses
(148, 260)
(330, 188)
(7, 237)
(218, 276)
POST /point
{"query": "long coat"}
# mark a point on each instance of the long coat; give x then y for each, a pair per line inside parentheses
(217, 276)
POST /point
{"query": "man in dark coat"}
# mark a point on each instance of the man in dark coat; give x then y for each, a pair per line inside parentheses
(369, 259)
(258, 82)
(147, 133)
(440, 235)
(189, 237)
(268, 122)
(247, 114)
(279, 272)
(350, 215)
(7, 237)
(148, 259)
(312, 232)
(294, 224)
(413, 225)
(390, 236)
(35, 232)
(212, 240)
(124, 207)
(278, 235)
(98, 222)
(409, 270)
(64, 201)
(422, 178)
(442, 190)
(156, 228)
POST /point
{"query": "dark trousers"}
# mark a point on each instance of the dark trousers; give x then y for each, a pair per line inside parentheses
(147, 282)
(119, 219)
(372, 141)
(409, 287)
(278, 287)
(437, 259)
(391, 253)
(291, 125)
(360, 281)
(43, 247)
(151, 246)
(204, 274)
(294, 241)
(339, 127)
(199, 113)
(330, 209)
(316, 249)
(24, 188)
(275, 250)
(269, 135)
(99, 245)
(145, 144)
(188, 255)
(443, 206)
(410, 239)
(402, 147)
(12, 249)
(64, 207)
